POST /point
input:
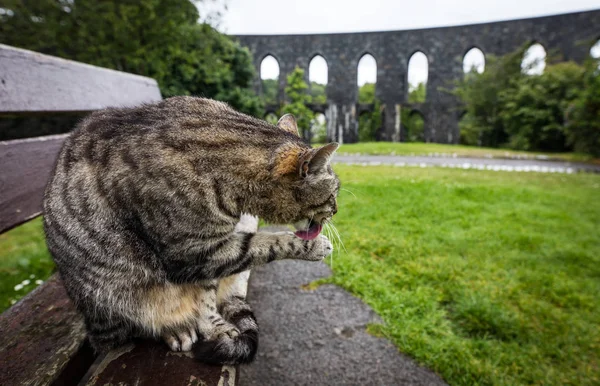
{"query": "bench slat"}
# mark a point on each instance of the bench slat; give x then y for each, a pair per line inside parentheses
(33, 82)
(39, 336)
(25, 166)
(151, 363)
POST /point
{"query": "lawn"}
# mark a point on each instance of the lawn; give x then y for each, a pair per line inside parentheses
(404, 148)
(487, 278)
(24, 262)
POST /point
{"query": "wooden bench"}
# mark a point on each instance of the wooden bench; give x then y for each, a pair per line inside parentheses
(42, 337)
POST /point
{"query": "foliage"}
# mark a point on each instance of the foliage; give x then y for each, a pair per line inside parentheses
(270, 90)
(534, 109)
(318, 93)
(157, 38)
(297, 93)
(369, 123)
(319, 129)
(417, 94)
(481, 95)
(505, 107)
(271, 118)
(583, 124)
(24, 262)
(489, 278)
(366, 93)
(413, 125)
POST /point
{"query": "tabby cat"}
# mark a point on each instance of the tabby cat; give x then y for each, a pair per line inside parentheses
(149, 218)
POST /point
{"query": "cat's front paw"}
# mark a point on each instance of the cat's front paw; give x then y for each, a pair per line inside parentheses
(318, 248)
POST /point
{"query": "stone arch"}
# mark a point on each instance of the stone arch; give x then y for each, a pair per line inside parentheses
(474, 59)
(318, 78)
(366, 77)
(270, 77)
(534, 59)
(417, 76)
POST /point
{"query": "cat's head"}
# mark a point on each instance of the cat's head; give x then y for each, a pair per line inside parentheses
(307, 186)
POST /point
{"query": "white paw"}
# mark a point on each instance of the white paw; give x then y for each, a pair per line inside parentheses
(247, 224)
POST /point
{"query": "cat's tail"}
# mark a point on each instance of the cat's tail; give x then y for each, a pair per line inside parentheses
(232, 351)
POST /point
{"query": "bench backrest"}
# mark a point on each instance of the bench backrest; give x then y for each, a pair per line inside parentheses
(32, 83)
(42, 337)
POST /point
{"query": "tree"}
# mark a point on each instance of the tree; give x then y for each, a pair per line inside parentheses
(583, 117)
(481, 96)
(297, 93)
(270, 90)
(366, 93)
(417, 94)
(157, 38)
(369, 123)
(413, 125)
(534, 108)
(318, 93)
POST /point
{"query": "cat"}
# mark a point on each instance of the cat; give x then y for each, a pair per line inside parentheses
(150, 217)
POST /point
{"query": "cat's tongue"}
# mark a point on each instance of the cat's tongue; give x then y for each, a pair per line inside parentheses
(308, 234)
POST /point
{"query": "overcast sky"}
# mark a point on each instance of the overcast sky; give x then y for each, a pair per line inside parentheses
(245, 17)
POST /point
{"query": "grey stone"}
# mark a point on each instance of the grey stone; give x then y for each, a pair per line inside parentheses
(570, 35)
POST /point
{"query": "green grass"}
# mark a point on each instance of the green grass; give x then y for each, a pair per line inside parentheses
(485, 277)
(403, 148)
(23, 256)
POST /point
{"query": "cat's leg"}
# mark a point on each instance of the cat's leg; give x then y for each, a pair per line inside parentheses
(105, 334)
(240, 252)
(236, 285)
(210, 323)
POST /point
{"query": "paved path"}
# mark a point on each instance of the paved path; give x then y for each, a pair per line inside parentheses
(498, 164)
(318, 337)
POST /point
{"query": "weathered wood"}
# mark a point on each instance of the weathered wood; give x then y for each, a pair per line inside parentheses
(39, 336)
(25, 166)
(33, 82)
(151, 363)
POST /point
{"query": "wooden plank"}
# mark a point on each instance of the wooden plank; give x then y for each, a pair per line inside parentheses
(146, 362)
(39, 336)
(33, 82)
(25, 166)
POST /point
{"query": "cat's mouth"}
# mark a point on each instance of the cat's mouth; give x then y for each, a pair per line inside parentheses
(307, 230)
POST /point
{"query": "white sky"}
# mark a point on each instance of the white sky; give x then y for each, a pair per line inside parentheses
(327, 16)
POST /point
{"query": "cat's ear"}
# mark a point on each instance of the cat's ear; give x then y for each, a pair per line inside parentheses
(288, 123)
(318, 159)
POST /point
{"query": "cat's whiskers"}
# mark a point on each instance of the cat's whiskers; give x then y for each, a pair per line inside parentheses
(346, 190)
(337, 234)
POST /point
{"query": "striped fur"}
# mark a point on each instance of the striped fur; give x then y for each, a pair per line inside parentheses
(142, 217)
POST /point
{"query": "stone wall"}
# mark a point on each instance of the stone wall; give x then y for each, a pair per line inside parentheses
(570, 35)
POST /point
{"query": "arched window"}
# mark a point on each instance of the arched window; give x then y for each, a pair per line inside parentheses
(366, 79)
(595, 50)
(317, 76)
(418, 72)
(269, 75)
(413, 125)
(474, 60)
(534, 60)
